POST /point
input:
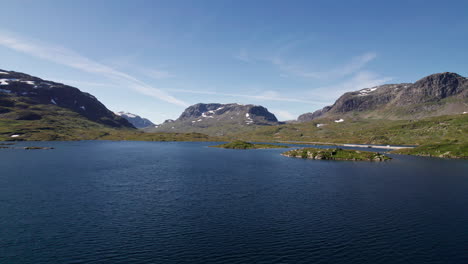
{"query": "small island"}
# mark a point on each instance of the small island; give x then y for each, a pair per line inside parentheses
(33, 148)
(335, 154)
(238, 144)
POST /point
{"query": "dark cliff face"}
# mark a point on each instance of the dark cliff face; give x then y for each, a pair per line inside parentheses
(136, 120)
(262, 112)
(391, 97)
(433, 88)
(38, 91)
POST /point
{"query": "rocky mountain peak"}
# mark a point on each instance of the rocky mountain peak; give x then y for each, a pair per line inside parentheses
(249, 113)
(215, 118)
(425, 97)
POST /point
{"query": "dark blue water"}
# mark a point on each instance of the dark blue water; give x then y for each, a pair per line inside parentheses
(141, 202)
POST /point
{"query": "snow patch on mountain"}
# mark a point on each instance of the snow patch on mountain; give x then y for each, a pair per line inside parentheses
(367, 91)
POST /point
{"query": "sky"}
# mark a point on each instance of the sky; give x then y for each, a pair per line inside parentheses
(155, 58)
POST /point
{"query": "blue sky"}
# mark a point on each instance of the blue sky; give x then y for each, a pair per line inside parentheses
(154, 58)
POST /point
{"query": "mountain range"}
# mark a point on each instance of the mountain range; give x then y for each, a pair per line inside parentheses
(429, 110)
(434, 95)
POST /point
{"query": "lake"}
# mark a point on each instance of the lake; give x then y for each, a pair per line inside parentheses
(163, 202)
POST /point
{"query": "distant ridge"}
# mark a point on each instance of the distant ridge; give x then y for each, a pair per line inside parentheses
(136, 120)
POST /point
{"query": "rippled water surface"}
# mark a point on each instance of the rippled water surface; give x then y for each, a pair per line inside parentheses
(143, 202)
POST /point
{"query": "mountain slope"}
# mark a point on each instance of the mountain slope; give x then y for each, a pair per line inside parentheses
(21, 94)
(434, 95)
(136, 120)
(218, 119)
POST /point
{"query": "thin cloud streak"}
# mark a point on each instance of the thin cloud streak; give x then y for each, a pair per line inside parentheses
(70, 58)
(283, 114)
(356, 64)
(359, 81)
(266, 96)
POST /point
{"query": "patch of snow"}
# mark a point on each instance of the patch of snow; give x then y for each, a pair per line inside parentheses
(29, 82)
(199, 120)
(82, 107)
(320, 125)
(366, 91)
(172, 127)
(465, 112)
(220, 108)
(339, 120)
(24, 93)
(53, 101)
(249, 119)
(4, 81)
(127, 114)
(2, 72)
(5, 91)
(13, 136)
(205, 115)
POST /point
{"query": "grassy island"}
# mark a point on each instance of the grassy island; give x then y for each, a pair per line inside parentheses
(246, 145)
(335, 154)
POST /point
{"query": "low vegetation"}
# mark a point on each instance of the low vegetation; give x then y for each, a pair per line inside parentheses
(246, 145)
(367, 131)
(335, 154)
(443, 150)
(434, 136)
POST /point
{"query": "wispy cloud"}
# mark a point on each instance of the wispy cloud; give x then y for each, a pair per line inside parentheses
(353, 66)
(283, 114)
(157, 74)
(70, 58)
(80, 83)
(360, 80)
(265, 96)
(243, 55)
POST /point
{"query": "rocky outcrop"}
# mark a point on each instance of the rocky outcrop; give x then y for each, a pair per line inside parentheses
(425, 97)
(434, 88)
(335, 154)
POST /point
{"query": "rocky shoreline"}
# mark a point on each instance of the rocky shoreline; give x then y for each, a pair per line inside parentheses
(335, 154)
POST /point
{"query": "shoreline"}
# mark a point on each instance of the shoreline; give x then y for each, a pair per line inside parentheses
(349, 145)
